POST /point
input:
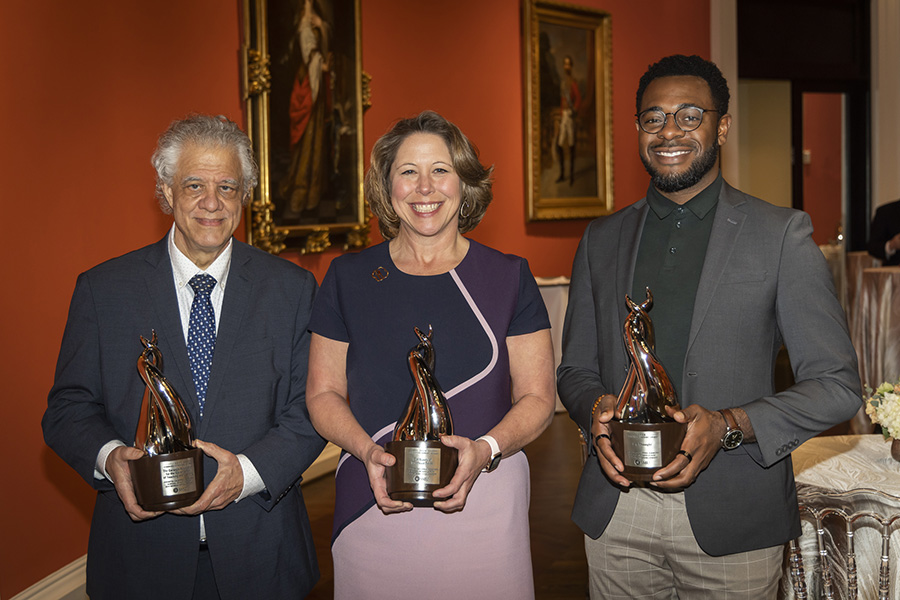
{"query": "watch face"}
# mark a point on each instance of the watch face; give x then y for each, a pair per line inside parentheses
(733, 439)
(495, 462)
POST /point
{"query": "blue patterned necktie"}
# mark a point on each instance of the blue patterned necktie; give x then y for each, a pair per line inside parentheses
(201, 334)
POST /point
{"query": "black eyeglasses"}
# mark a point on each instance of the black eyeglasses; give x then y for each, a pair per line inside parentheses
(688, 118)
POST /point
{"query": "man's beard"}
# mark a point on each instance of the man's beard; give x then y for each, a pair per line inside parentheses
(686, 179)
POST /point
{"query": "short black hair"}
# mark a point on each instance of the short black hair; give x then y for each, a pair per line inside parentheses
(679, 64)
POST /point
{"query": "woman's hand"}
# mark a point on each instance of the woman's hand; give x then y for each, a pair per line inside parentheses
(473, 456)
(376, 461)
(326, 399)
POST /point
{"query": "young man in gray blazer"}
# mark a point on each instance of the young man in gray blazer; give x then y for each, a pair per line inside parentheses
(732, 279)
(248, 535)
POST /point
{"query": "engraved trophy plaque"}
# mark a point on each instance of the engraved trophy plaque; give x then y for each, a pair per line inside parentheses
(643, 434)
(170, 476)
(423, 464)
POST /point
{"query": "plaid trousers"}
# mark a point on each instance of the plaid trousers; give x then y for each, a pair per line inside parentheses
(648, 551)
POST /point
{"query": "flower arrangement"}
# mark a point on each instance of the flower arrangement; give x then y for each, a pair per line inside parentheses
(883, 407)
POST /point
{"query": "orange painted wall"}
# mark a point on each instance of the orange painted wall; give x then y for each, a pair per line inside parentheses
(88, 86)
(822, 177)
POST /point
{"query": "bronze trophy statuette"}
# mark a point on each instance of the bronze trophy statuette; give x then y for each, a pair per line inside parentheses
(423, 464)
(643, 435)
(170, 476)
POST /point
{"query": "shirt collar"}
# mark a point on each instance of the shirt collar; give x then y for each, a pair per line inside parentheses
(183, 269)
(700, 204)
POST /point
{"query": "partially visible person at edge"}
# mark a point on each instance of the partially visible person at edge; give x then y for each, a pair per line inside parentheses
(492, 344)
(248, 535)
(733, 278)
(884, 235)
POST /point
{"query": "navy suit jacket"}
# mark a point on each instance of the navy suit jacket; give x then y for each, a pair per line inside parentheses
(763, 282)
(260, 547)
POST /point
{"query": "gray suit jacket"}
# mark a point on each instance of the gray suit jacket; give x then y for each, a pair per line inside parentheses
(260, 547)
(763, 282)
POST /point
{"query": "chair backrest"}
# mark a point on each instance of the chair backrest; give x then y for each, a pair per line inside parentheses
(847, 551)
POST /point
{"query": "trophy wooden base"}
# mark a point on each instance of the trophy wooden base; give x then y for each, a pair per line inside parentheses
(646, 447)
(421, 468)
(168, 481)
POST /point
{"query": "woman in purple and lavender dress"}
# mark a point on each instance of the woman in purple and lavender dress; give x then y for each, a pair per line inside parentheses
(494, 363)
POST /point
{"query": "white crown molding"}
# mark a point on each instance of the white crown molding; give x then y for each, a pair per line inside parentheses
(65, 584)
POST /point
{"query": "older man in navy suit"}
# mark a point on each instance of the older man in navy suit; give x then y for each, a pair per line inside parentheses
(248, 535)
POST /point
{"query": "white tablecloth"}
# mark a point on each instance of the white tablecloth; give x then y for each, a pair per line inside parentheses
(857, 262)
(555, 292)
(837, 264)
(879, 325)
(842, 463)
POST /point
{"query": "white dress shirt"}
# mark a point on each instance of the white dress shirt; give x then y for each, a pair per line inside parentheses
(183, 269)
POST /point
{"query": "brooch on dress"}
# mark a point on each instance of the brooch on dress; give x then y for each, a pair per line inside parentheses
(380, 274)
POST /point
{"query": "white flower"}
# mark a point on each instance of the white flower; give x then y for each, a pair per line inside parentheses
(883, 408)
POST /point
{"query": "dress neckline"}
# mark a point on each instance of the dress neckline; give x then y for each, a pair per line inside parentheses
(393, 267)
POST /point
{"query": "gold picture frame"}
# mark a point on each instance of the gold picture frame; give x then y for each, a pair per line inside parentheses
(568, 111)
(305, 93)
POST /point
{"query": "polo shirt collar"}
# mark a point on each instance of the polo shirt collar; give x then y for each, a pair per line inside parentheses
(700, 204)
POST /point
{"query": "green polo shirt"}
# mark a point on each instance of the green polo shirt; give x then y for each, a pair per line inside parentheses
(669, 262)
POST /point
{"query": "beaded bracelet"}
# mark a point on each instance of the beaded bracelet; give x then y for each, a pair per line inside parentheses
(594, 407)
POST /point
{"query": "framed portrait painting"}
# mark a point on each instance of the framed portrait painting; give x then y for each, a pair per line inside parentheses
(567, 111)
(305, 95)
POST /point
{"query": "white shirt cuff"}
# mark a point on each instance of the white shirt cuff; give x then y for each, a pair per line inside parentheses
(105, 451)
(253, 483)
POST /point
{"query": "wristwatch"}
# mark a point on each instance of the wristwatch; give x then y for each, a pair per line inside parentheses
(733, 435)
(496, 455)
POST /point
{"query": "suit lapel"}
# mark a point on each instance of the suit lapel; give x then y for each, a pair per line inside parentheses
(729, 220)
(629, 242)
(234, 308)
(161, 290)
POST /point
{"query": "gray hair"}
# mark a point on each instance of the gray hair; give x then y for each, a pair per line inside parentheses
(201, 130)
